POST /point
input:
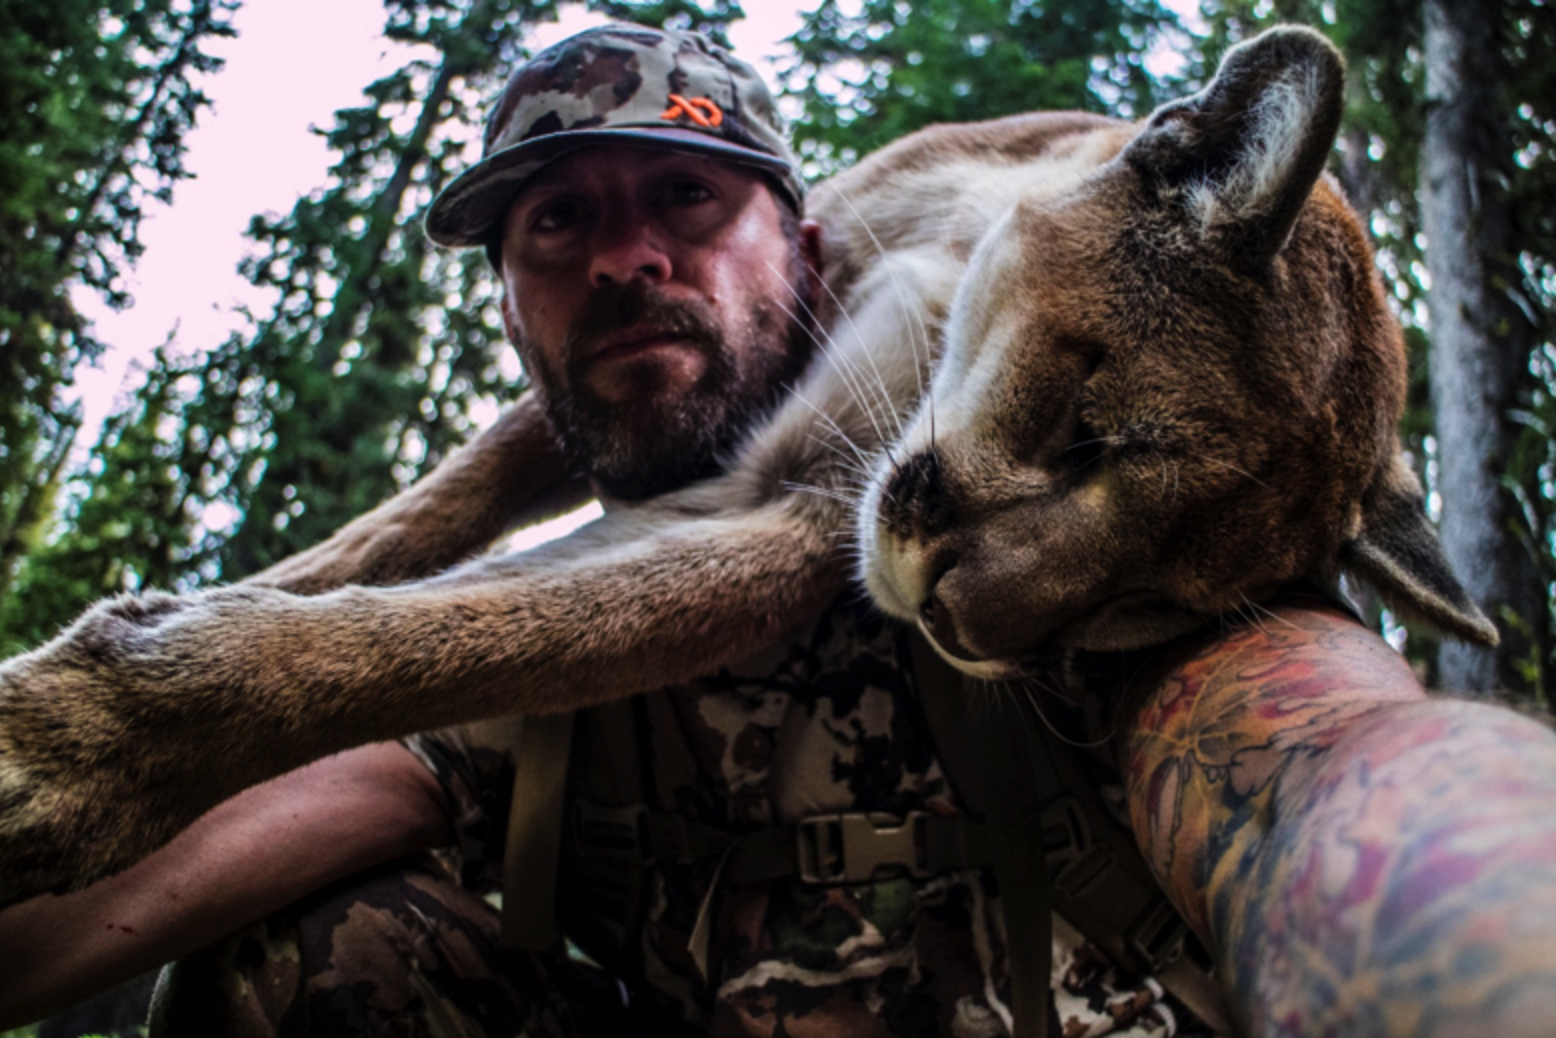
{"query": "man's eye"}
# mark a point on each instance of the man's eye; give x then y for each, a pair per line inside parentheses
(556, 215)
(689, 192)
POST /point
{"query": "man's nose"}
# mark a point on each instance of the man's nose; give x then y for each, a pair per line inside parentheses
(626, 249)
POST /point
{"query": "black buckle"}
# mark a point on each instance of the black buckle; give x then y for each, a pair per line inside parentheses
(1066, 832)
(611, 832)
(852, 847)
(1075, 860)
(1158, 935)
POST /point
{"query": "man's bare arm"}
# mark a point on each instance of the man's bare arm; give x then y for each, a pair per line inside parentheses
(273, 843)
(149, 711)
(513, 474)
(1364, 860)
(246, 858)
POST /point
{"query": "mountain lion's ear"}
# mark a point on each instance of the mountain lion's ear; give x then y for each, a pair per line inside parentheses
(1398, 553)
(1242, 155)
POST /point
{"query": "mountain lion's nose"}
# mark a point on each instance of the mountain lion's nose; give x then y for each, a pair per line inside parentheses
(939, 625)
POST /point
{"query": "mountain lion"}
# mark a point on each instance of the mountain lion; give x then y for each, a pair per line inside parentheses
(1103, 381)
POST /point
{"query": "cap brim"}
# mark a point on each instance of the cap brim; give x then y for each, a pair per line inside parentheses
(464, 213)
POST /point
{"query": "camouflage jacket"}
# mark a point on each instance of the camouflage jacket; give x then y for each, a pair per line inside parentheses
(825, 722)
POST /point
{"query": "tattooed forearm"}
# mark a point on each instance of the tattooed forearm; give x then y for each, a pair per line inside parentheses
(1365, 861)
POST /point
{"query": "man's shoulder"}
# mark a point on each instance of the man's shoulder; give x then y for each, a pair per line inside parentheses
(1306, 631)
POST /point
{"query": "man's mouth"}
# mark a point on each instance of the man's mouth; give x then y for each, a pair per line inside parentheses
(636, 342)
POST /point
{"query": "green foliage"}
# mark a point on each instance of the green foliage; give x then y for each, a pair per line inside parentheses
(129, 523)
(865, 79)
(1531, 471)
(382, 352)
(380, 345)
(711, 18)
(95, 98)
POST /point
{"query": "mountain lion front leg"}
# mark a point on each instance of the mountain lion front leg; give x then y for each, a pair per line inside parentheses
(511, 475)
(150, 710)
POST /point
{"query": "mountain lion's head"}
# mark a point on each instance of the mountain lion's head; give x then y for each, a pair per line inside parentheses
(1164, 394)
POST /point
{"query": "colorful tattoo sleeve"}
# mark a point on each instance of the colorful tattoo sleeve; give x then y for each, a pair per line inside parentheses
(1365, 860)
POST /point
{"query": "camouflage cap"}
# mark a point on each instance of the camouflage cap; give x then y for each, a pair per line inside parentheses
(615, 84)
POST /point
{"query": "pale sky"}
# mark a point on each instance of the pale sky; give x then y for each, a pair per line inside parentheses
(252, 151)
(293, 64)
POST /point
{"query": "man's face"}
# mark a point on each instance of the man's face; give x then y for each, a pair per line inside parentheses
(649, 293)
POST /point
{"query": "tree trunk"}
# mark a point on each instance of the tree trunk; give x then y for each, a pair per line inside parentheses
(1480, 338)
(1359, 177)
(21, 526)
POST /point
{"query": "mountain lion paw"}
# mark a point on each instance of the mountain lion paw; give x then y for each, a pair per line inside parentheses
(84, 789)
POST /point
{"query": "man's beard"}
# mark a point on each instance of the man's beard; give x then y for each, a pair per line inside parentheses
(659, 443)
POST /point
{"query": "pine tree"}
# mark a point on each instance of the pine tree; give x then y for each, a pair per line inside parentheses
(865, 79)
(384, 350)
(95, 99)
(380, 345)
(130, 532)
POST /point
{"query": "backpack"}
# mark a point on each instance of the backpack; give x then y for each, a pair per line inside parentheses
(1008, 768)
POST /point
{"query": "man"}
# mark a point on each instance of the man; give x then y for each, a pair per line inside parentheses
(1363, 860)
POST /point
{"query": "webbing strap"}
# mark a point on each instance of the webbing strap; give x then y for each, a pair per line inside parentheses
(535, 825)
(1105, 888)
(986, 749)
(947, 708)
(1095, 875)
(1020, 862)
(822, 850)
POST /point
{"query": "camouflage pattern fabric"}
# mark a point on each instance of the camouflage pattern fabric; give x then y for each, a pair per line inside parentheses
(616, 84)
(825, 722)
(401, 950)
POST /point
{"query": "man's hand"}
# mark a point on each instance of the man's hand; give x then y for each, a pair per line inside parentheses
(1363, 860)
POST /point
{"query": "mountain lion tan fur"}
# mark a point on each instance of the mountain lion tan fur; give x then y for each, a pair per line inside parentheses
(1169, 385)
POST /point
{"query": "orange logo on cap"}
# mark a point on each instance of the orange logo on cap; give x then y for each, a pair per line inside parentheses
(699, 110)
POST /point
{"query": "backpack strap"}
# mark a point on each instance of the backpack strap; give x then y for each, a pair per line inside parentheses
(984, 747)
(542, 746)
(1079, 860)
(608, 806)
(1020, 863)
